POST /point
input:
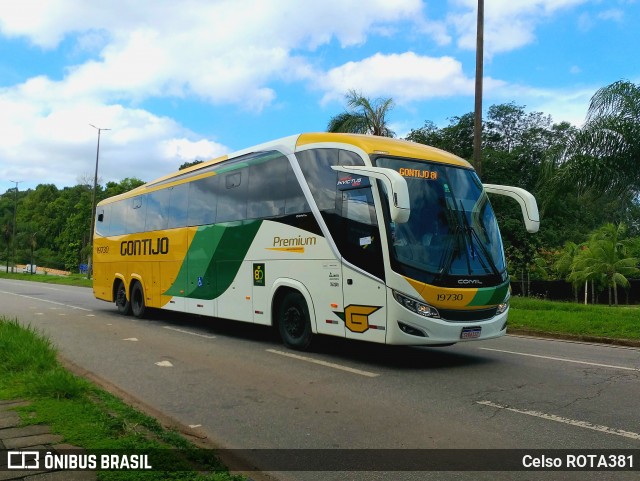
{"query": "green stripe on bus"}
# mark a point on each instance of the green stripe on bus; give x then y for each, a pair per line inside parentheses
(487, 296)
(213, 259)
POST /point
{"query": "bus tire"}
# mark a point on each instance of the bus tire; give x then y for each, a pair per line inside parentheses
(138, 306)
(122, 303)
(293, 321)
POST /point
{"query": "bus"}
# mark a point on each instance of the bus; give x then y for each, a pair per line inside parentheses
(355, 236)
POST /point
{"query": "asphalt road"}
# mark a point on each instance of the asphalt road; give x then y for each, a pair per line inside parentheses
(236, 384)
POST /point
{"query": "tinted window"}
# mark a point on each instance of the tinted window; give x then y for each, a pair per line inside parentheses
(137, 207)
(178, 203)
(267, 188)
(157, 210)
(103, 219)
(232, 196)
(203, 201)
(119, 213)
(322, 179)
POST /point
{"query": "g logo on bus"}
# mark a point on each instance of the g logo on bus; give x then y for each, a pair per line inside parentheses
(356, 318)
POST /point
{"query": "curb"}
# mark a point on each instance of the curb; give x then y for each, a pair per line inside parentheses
(574, 337)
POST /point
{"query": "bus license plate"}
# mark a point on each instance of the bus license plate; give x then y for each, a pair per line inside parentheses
(470, 333)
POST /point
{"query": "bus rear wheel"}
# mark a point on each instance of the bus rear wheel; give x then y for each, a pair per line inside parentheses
(137, 301)
(293, 322)
(122, 303)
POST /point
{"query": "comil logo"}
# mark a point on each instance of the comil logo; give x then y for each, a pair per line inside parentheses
(23, 460)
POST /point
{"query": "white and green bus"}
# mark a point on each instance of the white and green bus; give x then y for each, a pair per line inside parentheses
(355, 236)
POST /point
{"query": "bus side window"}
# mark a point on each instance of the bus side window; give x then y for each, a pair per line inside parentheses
(203, 201)
(137, 211)
(178, 205)
(157, 217)
(103, 219)
(119, 213)
(232, 196)
(267, 188)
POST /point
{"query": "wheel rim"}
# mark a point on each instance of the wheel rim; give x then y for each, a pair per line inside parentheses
(137, 300)
(294, 322)
(121, 297)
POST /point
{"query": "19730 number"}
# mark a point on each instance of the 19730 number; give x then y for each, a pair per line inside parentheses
(450, 297)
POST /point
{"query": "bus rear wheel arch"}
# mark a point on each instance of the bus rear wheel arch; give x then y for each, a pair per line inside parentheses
(293, 320)
(138, 307)
(120, 294)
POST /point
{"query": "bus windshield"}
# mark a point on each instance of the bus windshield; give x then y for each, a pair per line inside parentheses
(452, 233)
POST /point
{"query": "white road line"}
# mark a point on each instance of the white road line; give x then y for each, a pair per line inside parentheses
(46, 300)
(324, 363)
(563, 359)
(189, 332)
(559, 419)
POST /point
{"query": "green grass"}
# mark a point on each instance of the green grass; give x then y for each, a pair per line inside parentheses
(89, 417)
(70, 280)
(622, 322)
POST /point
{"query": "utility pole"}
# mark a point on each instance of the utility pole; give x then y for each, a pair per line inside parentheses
(477, 123)
(93, 206)
(15, 217)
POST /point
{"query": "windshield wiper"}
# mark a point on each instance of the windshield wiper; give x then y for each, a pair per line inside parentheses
(472, 234)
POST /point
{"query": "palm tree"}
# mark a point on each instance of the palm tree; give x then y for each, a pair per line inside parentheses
(564, 265)
(605, 155)
(606, 256)
(363, 116)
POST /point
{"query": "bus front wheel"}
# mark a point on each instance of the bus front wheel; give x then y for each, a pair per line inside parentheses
(137, 301)
(122, 303)
(293, 321)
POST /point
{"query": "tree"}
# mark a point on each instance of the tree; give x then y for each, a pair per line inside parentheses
(607, 256)
(186, 165)
(363, 116)
(457, 137)
(564, 265)
(604, 157)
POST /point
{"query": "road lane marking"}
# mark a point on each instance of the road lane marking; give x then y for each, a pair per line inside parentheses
(206, 336)
(134, 339)
(46, 300)
(560, 419)
(164, 364)
(562, 359)
(324, 363)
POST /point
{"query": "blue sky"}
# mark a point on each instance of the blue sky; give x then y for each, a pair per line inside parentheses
(194, 79)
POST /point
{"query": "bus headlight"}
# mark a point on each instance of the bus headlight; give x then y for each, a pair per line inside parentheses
(416, 306)
(504, 305)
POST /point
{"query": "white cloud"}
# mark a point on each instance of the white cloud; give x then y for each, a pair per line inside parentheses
(223, 52)
(564, 105)
(508, 24)
(405, 77)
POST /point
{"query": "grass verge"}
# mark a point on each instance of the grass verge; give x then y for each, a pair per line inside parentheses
(622, 322)
(89, 417)
(70, 280)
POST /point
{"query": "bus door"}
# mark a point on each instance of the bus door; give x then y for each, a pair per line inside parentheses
(358, 239)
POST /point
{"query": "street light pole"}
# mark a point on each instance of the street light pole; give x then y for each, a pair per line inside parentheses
(477, 123)
(93, 205)
(15, 216)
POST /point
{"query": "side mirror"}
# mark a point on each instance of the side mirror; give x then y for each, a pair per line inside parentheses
(396, 185)
(527, 203)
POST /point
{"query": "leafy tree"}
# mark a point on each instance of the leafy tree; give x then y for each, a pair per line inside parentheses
(186, 165)
(456, 138)
(363, 116)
